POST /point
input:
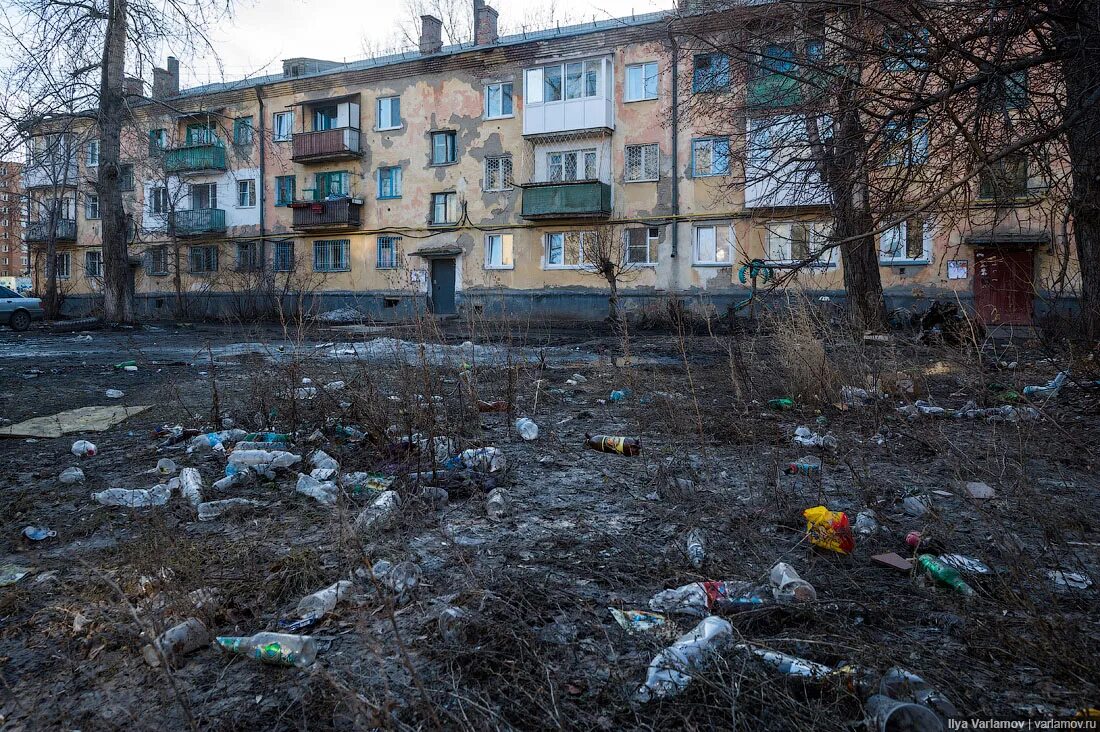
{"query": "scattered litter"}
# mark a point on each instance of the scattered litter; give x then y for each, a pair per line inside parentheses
(453, 624)
(965, 564)
(866, 524)
(498, 406)
(628, 446)
(12, 573)
(944, 574)
(400, 579)
(360, 482)
(83, 448)
(854, 396)
(829, 529)
(789, 665)
(808, 466)
(315, 606)
(279, 649)
(158, 495)
(671, 671)
(334, 386)
(487, 459)
(807, 438)
(114, 394)
(214, 439)
(700, 598)
(166, 466)
(1069, 580)
(1048, 390)
(619, 395)
(38, 533)
(325, 492)
(305, 393)
(981, 491)
(781, 404)
(496, 504)
(579, 378)
(71, 475)
(889, 715)
(124, 364)
(916, 506)
(323, 473)
(85, 419)
(176, 642)
(913, 539)
(190, 485)
(893, 560)
(379, 514)
(527, 429)
(788, 587)
(920, 407)
(637, 621)
(696, 548)
(211, 510)
(322, 459)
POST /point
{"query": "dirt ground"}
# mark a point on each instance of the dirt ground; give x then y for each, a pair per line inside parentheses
(584, 532)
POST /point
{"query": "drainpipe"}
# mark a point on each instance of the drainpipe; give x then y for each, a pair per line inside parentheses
(675, 146)
(263, 177)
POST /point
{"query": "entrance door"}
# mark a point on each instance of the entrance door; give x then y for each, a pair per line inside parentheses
(443, 286)
(1003, 286)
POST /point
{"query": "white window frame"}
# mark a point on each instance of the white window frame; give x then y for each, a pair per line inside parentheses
(91, 154)
(378, 126)
(63, 272)
(580, 161)
(648, 150)
(506, 249)
(506, 182)
(652, 241)
(158, 195)
(88, 198)
(778, 233)
(548, 239)
(730, 245)
(901, 232)
(286, 135)
(246, 188)
(642, 69)
(499, 86)
(97, 271)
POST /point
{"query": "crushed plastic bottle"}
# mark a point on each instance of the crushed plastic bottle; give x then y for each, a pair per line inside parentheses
(789, 665)
(267, 437)
(485, 459)
(211, 510)
(279, 649)
(1048, 390)
(808, 466)
(866, 524)
(325, 492)
(323, 460)
(247, 445)
(527, 429)
(191, 486)
(71, 475)
(137, 498)
(496, 504)
(672, 670)
(701, 598)
(315, 606)
(114, 394)
(263, 462)
(696, 548)
(176, 642)
(166, 466)
(619, 395)
(781, 404)
(380, 514)
(213, 439)
(808, 438)
(402, 580)
(453, 624)
(944, 574)
(788, 587)
(83, 448)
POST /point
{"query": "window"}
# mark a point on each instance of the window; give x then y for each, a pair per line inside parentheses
(158, 200)
(498, 251)
(799, 241)
(581, 81)
(249, 256)
(91, 153)
(710, 156)
(387, 252)
(906, 50)
(498, 100)
(906, 144)
(498, 173)
(389, 182)
(204, 196)
(158, 140)
(126, 177)
(283, 257)
(204, 259)
(389, 113)
(444, 148)
(246, 193)
(331, 185)
(284, 190)
(91, 206)
(570, 165)
(202, 133)
(641, 82)
(444, 208)
(63, 264)
(324, 118)
(710, 73)
(93, 264)
(909, 241)
(641, 245)
(158, 261)
(242, 131)
(282, 128)
(1006, 178)
(643, 162)
(713, 245)
(1016, 96)
(565, 249)
(331, 255)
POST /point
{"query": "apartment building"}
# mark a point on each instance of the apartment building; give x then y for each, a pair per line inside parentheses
(473, 177)
(14, 263)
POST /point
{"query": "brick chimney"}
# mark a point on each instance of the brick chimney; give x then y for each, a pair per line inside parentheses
(431, 34)
(485, 24)
(166, 82)
(133, 86)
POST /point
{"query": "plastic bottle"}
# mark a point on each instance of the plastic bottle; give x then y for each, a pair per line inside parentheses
(166, 466)
(527, 429)
(808, 466)
(783, 403)
(267, 437)
(124, 364)
(496, 504)
(322, 602)
(453, 624)
(701, 598)
(322, 459)
(137, 498)
(263, 460)
(628, 446)
(325, 492)
(191, 486)
(865, 524)
(210, 439)
(210, 510)
(485, 459)
(696, 549)
(83, 448)
(280, 649)
(672, 669)
(176, 642)
(71, 475)
(1048, 390)
(379, 514)
(790, 665)
(274, 446)
(890, 715)
(619, 394)
(897, 683)
(788, 587)
(402, 580)
(114, 394)
(941, 572)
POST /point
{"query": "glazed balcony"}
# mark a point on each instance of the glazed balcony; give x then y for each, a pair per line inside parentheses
(39, 231)
(195, 158)
(341, 143)
(339, 213)
(197, 222)
(566, 200)
(50, 172)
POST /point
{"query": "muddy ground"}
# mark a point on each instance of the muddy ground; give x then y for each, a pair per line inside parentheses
(585, 531)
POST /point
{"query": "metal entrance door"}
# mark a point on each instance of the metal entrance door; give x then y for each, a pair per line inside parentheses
(1003, 286)
(443, 286)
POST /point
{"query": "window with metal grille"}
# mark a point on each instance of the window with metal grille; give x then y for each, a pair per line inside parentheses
(641, 245)
(571, 165)
(387, 252)
(498, 173)
(204, 259)
(158, 261)
(283, 257)
(250, 256)
(642, 162)
(331, 255)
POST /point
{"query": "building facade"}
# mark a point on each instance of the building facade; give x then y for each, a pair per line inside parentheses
(482, 178)
(14, 262)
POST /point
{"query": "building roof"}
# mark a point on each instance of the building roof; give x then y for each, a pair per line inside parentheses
(580, 29)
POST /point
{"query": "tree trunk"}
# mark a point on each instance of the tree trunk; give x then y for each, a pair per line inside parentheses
(177, 278)
(118, 283)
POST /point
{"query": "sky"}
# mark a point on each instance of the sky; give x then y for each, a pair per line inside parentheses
(262, 32)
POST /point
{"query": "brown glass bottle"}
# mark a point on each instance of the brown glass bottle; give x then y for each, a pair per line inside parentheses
(629, 446)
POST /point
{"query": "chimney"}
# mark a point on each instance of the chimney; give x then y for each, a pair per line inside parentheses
(485, 24)
(431, 35)
(166, 82)
(134, 87)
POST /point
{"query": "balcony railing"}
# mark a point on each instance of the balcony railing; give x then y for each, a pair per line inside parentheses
(64, 229)
(334, 214)
(49, 172)
(334, 144)
(577, 199)
(197, 222)
(193, 158)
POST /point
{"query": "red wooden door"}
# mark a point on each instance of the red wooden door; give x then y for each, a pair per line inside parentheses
(1003, 286)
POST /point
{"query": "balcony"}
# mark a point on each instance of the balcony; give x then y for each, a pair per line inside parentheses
(197, 222)
(337, 144)
(49, 173)
(580, 199)
(194, 158)
(339, 213)
(39, 231)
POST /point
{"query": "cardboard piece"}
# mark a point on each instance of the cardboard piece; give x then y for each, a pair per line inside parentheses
(85, 419)
(893, 560)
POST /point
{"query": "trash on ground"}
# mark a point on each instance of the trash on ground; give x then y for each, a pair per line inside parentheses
(334, 386)
(965, 563)
(279, 649)
(323, 473)
(360, 482)
(628, 446)
(619, 395)
(890, 715)
(114, 394)
(905, 686)
(1069, 580)
(71, 475)
(893, 560)
(789, 665)
(166, 466)
(1048, 390)
(379, 514)
(158, 495)
(671, 671)
(527, 429)
(808, 438)
(497, 504)
(317, 605)
(866, 524)
(38, 533)
(696, 548)
(487, 459)
(944, 574)
(191, 486)
(807, 465)
(637, 621)
(325, 492)
(323, 460)
(400, 579)
(453, 624)
(700, 598)
(83, 448)
(124, 364)
(979, 490)
(12, 573)
(214, 439)
(176, 642)
(914, 538)
(497, 406)
(829, 529)
(788, 587)
(921, 407)
(781, 404)
(916, 505)
(211, 510)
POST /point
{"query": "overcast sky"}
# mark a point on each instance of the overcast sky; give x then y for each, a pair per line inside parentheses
(265, 31)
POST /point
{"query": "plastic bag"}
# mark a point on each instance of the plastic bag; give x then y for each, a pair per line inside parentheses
(829, 529)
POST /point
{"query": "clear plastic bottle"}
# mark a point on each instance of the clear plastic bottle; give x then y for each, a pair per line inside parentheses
(897, 683)
(496, 504)
(788, 587)
(211, 439)
(527, 429)
(210, 510)
(324, 492)
(453, 624)
(672, 669)
(176, 642)
(166, 466)
(136, 498)
(191, 486)
(696, 548)
(379, 514)
(279, 649)
(322, 602)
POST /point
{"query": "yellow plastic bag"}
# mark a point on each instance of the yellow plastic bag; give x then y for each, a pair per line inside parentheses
(829, 529)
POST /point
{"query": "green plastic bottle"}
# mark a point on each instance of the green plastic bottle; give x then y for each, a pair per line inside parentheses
(781, 404)
(947, 575)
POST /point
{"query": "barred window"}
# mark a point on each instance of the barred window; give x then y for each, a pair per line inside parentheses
(387, 252)
(204, 259)
(158, 261)
(331, 255)
(283, 259)
(249, 256)
(498, 173)
(642, 162)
